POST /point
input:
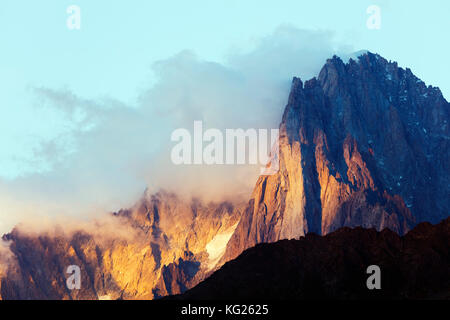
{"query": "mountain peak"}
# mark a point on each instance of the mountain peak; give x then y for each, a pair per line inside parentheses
(363, 144)
(355, 56)
(366, 143)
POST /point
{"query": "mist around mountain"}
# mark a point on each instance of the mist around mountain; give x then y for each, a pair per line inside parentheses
(364, 144)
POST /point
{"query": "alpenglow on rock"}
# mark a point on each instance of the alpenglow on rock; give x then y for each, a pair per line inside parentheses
(164, 253)
(366, 143)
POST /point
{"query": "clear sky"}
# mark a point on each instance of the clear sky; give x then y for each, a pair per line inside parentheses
(118, 40)
(111, 56)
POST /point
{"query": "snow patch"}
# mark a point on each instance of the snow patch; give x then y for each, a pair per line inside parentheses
(216, 247)
(354, 56)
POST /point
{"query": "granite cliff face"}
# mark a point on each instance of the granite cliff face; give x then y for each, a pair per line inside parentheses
(166, 253)
(366, 143)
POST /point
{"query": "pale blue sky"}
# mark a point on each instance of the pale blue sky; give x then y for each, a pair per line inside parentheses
(110, 58)
(119, 40)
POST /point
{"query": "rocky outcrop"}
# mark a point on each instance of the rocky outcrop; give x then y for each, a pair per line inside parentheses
(415, 266)
(166, 253)
(366, 143)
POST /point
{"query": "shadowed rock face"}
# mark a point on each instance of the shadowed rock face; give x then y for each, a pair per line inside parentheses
(365, 144)
(415, 266)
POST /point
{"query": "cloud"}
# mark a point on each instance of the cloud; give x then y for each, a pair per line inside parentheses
(107, 152)
(103, 228)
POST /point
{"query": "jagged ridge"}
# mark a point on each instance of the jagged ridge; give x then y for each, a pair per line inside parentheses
(364, 144)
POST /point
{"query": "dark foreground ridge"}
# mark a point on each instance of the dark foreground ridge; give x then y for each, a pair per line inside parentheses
(414, 266)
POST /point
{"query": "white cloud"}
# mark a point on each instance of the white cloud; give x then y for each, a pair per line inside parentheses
(108, 152)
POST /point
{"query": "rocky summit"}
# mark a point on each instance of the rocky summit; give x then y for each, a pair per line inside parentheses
(365, 144)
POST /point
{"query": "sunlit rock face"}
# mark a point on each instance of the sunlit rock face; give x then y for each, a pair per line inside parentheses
(364, 144)
(165, 254)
